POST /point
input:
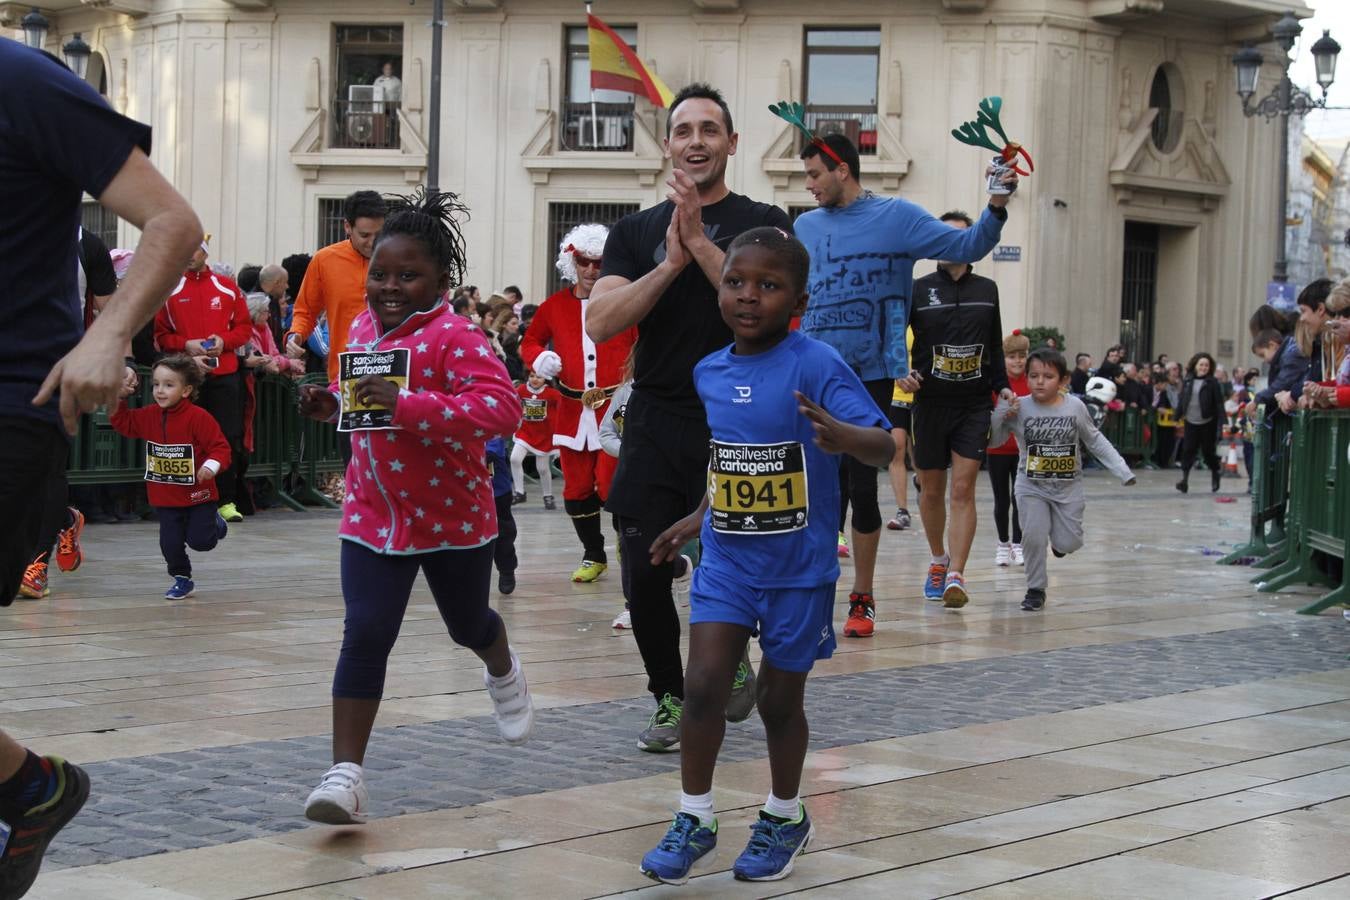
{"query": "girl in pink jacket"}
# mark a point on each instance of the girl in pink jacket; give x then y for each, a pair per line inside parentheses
(422, 393)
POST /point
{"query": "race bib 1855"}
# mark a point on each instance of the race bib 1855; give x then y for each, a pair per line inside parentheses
(957, 362)
(170, 463)
(757, 488)
(1052, 460)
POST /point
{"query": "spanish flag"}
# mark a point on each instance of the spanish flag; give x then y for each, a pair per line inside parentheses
(615, 67)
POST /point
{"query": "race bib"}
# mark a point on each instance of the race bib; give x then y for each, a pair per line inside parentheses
(170, 463)
(957, 362)
(1052, 460)
(391, 365)
(617, 418)
(757, 488)
(536, 409)
(1167, 417)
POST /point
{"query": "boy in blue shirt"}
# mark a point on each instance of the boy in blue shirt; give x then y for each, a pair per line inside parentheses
(781, 408)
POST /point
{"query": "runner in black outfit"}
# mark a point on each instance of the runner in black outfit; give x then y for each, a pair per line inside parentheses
(661, 268)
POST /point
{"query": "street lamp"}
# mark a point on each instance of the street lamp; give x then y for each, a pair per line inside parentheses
(77, 54)
(1283, 101)
(34, 27)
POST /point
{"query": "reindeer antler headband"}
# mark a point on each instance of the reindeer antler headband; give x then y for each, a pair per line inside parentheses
(795, 115)
(974, 134)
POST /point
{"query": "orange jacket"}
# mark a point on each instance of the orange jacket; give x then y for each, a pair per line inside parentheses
(335, 283)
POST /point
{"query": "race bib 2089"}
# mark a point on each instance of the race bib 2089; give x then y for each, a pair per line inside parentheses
(757, 488)
(1052, 460)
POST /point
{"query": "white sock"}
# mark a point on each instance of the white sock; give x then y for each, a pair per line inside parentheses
(700, 805)
(941, 560)
(783, 809)
(499, 680)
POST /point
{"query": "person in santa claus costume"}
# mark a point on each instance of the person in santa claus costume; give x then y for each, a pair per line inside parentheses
(556, 346)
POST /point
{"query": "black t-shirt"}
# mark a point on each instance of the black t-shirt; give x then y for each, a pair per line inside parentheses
(96, 270)
(685, 325)
(58, 140)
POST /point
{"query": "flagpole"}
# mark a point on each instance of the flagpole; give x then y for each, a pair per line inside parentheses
(595, 128)
(434, 117)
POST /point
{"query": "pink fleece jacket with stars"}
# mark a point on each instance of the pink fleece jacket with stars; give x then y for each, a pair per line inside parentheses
(424, 486)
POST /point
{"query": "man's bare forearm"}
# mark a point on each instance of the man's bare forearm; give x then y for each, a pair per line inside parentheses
(621, 304)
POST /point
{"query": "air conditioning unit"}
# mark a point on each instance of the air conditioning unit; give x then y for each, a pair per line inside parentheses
(360, 120)
(849, 128)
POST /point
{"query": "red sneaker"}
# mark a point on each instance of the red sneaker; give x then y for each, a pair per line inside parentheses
(862, 614)
(34, 584)
(68, 552)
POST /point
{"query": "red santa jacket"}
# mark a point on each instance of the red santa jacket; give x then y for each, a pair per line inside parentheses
(176, 427)
(585, 365)
(204, 304)
(539, 415)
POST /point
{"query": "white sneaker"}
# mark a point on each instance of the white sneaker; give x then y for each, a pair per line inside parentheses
(340, 798)
(1017, 558)
(1003, 555)
(511, 704)
(680, 585)
(622, 620)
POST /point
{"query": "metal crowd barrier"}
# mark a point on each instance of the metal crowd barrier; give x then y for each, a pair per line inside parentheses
(290, 452)
(1132, 432)
(1273, 442)
(1318, 508)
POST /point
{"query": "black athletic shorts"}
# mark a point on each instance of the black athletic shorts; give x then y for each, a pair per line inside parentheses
(899, 416)
(940, 431)
(662, 474)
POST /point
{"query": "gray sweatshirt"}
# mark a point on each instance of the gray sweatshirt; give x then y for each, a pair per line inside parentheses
(611, 426)
(1048, 446)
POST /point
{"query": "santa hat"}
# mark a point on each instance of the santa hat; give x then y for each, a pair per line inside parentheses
(588, 240)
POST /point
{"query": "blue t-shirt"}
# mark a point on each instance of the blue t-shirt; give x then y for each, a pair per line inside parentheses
(862, 274)
(774, 515)
(58, 139)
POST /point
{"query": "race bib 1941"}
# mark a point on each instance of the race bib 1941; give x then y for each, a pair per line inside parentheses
(757, 488)
(535, 409)
(391, 365)
(1052, 460)
(170, 463)
(957, 362)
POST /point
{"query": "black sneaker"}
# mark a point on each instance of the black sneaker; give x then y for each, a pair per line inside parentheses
(517, 498)
(1034, 600)
(30, 832)
(506, 582)
(1059, 554)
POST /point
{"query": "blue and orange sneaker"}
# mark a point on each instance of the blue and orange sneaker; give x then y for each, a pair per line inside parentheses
(774, 844)
(936, 581)
(686, 842)
(954, 594)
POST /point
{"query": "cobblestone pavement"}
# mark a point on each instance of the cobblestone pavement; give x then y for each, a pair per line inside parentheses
(152, 804)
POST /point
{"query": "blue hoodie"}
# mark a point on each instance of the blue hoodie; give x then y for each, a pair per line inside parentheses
(862, 274)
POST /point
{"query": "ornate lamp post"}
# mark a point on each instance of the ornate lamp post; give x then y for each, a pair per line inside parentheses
(1284, 100)
(34, 27)
(77, 54)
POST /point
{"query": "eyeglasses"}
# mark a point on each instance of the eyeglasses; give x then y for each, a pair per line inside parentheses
(588, 262)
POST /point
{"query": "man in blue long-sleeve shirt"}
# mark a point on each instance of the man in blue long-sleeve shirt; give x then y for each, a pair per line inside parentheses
(863, 249)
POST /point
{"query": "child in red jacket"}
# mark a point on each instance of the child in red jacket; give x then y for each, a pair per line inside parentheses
(184, 451)
(539, 406)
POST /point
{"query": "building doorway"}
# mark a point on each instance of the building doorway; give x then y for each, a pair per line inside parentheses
(1139, 290)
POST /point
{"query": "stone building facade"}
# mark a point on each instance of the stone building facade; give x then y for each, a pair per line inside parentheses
(1149, 216)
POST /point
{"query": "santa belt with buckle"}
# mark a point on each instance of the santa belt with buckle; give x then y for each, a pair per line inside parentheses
(593, 398)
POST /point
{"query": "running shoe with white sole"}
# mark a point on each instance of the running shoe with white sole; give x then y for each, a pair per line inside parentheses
(1003, 554)
(589, 571)
(341, 797)
(512, 707)
(774, 846)
(901, 520)
(25, 834)
(69, 555)
(687, 842)
(623, 621)
(1018, 558)
(954, 594)
(662, 734)
(935, 582)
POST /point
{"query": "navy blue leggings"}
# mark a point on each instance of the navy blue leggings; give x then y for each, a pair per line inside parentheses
(376, 588)
(181, 527)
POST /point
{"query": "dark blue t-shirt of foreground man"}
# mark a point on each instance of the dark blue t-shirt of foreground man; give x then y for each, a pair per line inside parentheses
(58, 140)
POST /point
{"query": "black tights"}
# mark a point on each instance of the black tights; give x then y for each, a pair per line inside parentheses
(1003, 475)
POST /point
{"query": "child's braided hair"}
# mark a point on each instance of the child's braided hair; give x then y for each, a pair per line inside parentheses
(433, 219)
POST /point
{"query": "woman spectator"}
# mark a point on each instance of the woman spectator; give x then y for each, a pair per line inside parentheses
(1201, 408)
(508, 335)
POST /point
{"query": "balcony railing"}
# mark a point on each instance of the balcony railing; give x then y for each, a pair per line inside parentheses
(365, 124)
(611, 127)
(858, 126)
